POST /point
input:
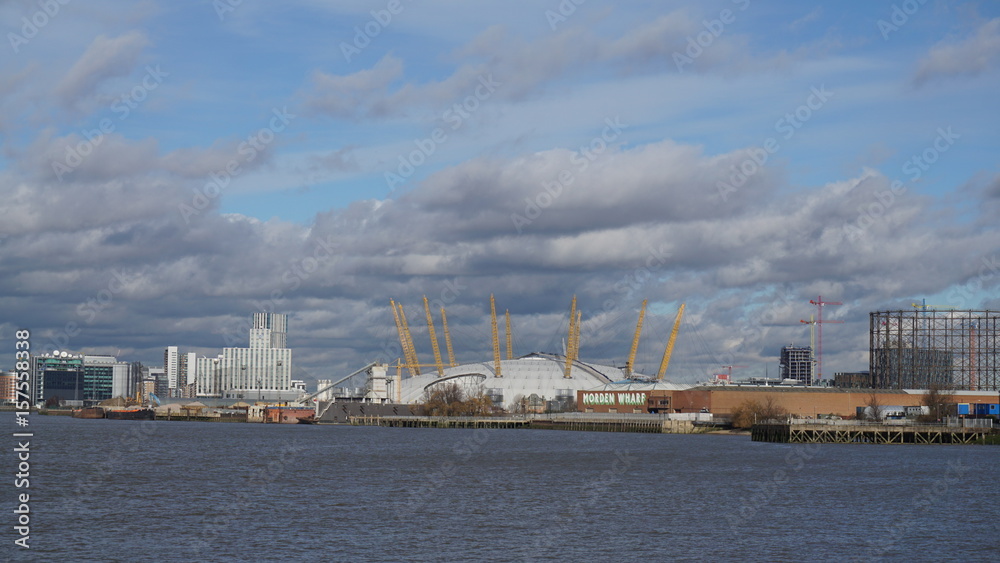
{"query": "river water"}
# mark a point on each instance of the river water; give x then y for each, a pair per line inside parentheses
(189, 491)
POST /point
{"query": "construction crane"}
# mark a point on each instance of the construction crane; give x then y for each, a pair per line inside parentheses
(434, 340)
(819, 303)
(496, 338)
(923, 306)
(670, 345)
(570, 351)
(630, 362)
(447, 339)
(510, 347)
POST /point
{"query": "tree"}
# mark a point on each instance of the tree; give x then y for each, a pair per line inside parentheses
(450, 399)
(752, 411)
(873, 408)
(939, 402)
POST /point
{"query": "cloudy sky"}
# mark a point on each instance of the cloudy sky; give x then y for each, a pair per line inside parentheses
(168, 168)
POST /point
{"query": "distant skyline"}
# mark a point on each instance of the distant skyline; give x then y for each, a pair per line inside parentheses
(170, 168)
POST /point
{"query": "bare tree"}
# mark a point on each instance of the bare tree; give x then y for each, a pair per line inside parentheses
(752, 411)
(873, 408)
(449, 399)
(940, 403)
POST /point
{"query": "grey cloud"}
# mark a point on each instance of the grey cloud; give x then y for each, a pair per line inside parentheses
(104, 58)
(969, 57)
(642, 222)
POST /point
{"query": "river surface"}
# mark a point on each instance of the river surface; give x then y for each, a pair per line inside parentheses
(104, 490)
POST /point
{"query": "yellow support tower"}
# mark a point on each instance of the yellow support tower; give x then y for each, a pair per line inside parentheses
(510, 346)
(447, 339)
(412, 361)
(496, 339)
(630, 362)
(570, 353)
(434, 339)
(670, 344)
(402, 335)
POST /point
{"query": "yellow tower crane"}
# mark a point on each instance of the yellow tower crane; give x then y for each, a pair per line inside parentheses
(670, 344)
(447, 339)
(434, 340)
(510, 346)
(496, 338)
(630, 363)
(570, 340)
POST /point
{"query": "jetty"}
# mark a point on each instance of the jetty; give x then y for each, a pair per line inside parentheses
(588, 422)
(806, 433)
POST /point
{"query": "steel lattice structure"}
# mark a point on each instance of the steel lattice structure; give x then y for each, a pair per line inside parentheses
(919, 348)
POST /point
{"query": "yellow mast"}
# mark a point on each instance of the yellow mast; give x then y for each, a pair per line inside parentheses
(670, 344)
(570, 353)
(402, 335)
(496, 339)
(635, 341)
(510, 347)
(414, 364)
(434, 339)
(447, 339)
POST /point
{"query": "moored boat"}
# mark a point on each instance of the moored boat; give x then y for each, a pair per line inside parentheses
(131, 414)
(89, 412)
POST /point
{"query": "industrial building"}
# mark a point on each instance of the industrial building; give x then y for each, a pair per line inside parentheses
(928, 346)
(800, 402)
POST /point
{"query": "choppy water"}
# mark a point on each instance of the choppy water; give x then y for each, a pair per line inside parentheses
(172, 491)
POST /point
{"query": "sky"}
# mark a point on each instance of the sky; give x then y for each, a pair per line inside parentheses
(169, 168)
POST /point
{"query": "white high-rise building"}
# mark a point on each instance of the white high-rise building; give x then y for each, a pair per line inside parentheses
(171, 366)
(268, 330)
(262, 371)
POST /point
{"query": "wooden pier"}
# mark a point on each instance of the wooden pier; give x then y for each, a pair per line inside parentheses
(438, 422)
(865, 434)
(587, 423)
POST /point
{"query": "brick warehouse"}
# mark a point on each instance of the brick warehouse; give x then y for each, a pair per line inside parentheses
(721, 400)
